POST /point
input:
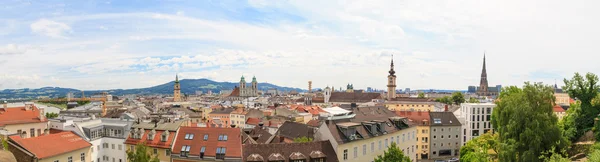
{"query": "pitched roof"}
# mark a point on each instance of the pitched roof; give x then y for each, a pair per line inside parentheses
(253, 121)
(443, 119)
(222, 111)
(412, 99)
(46, 146)
(18, 115)
(314, 110)
(154, 142)
(290, 151)
(558, 108)
(293, 130)
(259, 134)
(416, 117)
(233, 144)
(353, 97)
(235, 92)
(314, 123)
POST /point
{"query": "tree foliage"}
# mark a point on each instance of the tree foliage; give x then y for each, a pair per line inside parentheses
(458, 98)
(526, 124)
(141, 153)
(393, 154)
(477, 149)
(568, 123)
(51, 115)
(421, 95)
(584, 90)
(445, 100)
(302, 140)
(594, 152)
(473, 100)
(4, 143)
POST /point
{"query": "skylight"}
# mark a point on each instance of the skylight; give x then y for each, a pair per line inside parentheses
(437, 121)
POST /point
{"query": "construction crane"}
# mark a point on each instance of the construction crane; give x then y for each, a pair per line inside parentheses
(83, 98)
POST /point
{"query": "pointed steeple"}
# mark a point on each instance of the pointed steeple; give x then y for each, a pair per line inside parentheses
(253, 78)
(483, 71)
(483, 83)
(392, 72)
(176, 78)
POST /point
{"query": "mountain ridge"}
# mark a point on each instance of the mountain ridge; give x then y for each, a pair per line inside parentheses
(188, 86)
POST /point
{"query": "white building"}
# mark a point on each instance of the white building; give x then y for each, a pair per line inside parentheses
(475, 119)
(107, 136)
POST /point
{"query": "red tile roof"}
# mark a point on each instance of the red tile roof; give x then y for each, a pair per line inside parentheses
(235, 92)
(557, 108)
(18, 115)
(253, 121)
(415, 116)
(153, 142)
(233, 144)
(51, 145)
(314, 110)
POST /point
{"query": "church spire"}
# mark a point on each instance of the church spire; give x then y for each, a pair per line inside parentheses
(392, 72)
(483, 71)
(176, 78)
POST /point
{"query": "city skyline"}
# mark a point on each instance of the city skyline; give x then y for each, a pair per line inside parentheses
(436, 45)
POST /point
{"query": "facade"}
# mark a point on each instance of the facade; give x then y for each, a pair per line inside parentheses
(391, 91)
(220, 117)
(476, 119)
(207, 144)
(177, 90)
(251, 91)
(320, 151)
(559, 112)
(238, 118)
(411, 104)
(445, 135)
(158, 135)
(106, 135)
(368, 132)
(26, 121)
(63, 146)
(421, 120)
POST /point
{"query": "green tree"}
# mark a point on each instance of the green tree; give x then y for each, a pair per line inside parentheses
(526, 124)
(477, 149)
(51, 115)
(302, 140)
(473, 100)
(585, 90)
(141, 153)
(393, 154)
(568, 123)
(444, 100)
(421, 95)
(458, 98)
(4, 143)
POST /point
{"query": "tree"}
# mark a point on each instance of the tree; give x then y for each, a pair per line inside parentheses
(141, 154)
(568, 123)
(458, 98)
(421, 95)
(473, 100)
(585, 90)
(526, 124)
(477, 149)
(4, 143)
(302, 140)
(51, 115)
(446, 100)
(393, 154)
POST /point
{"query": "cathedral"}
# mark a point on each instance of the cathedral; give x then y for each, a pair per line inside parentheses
(483, 89)
(243, 91)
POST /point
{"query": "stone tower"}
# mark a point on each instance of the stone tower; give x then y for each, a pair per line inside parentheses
(327, 94)
(177, 90)
(254, 86)
(391, 91)
(483, 83)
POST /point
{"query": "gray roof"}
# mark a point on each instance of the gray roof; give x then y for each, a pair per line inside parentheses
(445, 119)
(162, 125)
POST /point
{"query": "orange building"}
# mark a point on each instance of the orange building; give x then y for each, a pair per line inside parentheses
(220, 118)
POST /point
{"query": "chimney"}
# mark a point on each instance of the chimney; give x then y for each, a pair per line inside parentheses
(446, 108)
(42, 114)
(46, 131)
(5, 105)
(28, 106)
(23, 134)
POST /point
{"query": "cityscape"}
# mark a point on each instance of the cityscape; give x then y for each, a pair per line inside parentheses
(297, 81)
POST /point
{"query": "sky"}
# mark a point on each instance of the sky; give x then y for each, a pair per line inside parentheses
(109, 44)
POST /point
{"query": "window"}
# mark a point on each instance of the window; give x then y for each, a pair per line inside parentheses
(56, 161)
(167, 152)
(355, 152)
(442, 129)
(155, 151)
(131, 148)
(392, 139)
(202, 151)
(434, 137)
(221, 152)
(82, 157)
(434, 129)
(386, 143)
(403, 137)
(489, 110)
(225, 137)
(113, 146)
(70, 159)
(372, 146)
(39, 132)
(32, 132)
(345, 154)
(397, 139)
(448, 136)
(189, 136)
(379, 145)
(120, 147)
(185, 150)
(364, 149)
(206, 137)
(442, 136)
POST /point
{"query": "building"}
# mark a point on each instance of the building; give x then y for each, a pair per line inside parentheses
(559, 112)
(391, 91)
(445, 135)
(177, 90)
(366, 133)
(421, 120)
(562, 98)
(475, 119)
(359, 97)
(158, 135)
(319, 151)
(243, 91)
(483, 89)
(220, 117)
(26, 121)
(411, 104)
(63, 146)
(289, 131)
(207, 144)
(106, 135)
(238, 118)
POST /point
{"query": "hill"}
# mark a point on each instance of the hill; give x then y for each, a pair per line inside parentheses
(188, 86)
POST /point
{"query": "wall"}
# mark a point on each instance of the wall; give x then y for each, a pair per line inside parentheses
(407, 106)
(562, 98)
(26, 127)
(407, 145)
(75, 154)
(441, 134)
(20, 155)
(110, 152)
(423, 141)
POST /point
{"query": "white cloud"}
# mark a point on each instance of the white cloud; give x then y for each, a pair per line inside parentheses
(11, 49)
(50, 28)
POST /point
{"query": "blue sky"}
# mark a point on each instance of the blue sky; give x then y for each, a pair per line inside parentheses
(130, 44)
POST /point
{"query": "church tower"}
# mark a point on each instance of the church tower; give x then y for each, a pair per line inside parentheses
(242, 86)
(327, 94)
(483, 83)
(254, 86)
(391, 91)
(177, 90)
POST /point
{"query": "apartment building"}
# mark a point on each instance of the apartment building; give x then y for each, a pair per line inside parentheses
(26, 121)
(445, 135)
(421, 120)
(475, 119)
(60, 147)
(157, 134)
(207, 144)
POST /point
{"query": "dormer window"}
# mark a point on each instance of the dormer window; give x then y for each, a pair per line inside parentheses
(189, 136)
(164, 136)
(206, 137)
(185, 150)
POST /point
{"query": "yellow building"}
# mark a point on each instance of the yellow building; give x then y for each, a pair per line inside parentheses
(559, 112)
(159, 137)
(238, 117)
(410, 105)
(421, 119)
(44, 148)
(562, 98)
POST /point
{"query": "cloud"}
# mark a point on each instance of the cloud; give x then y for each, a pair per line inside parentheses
(50, 28)
(12, 49)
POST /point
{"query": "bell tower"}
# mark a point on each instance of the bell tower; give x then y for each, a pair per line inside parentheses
(177, 90)
(391, 91)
